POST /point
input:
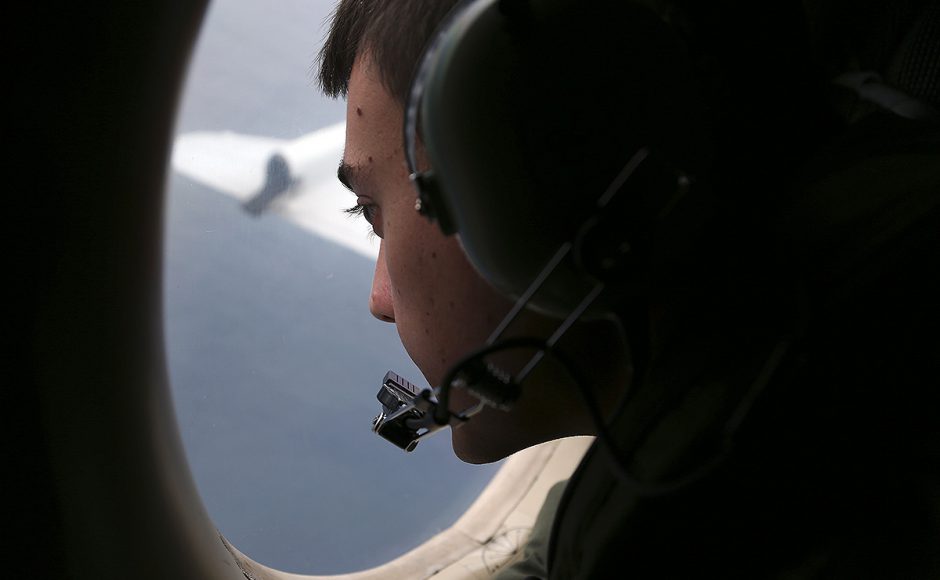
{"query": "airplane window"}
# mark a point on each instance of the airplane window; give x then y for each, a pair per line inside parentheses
(274, 358)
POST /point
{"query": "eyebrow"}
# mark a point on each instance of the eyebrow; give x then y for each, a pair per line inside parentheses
(346, 174)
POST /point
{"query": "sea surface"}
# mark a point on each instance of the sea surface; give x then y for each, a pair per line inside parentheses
(274, 358)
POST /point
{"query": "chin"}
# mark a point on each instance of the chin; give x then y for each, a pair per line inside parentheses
(482, 443)
(468, 449)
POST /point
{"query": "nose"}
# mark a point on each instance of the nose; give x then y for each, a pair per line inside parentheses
(380, 299)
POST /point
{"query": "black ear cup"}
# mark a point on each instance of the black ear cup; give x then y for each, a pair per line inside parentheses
(529, 112)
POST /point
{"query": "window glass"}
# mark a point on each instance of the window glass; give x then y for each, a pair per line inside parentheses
(274, 358)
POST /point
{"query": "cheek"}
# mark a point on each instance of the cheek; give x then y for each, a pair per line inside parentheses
(443, 309)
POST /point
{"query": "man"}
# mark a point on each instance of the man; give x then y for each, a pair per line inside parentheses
(780, 426)
(423, 282)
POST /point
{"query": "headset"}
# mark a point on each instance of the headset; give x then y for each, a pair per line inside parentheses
(556, 150)
(522, 157)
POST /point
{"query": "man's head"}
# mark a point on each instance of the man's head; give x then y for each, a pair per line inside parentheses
(393, 34)
(442, 308)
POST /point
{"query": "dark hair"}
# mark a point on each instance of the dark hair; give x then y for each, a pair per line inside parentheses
(393, 33)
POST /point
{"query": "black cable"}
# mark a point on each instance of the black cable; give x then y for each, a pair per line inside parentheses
(612, 448)
(442, 412)
(618, 462)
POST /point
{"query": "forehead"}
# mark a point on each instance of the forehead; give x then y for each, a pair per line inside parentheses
(374, 119)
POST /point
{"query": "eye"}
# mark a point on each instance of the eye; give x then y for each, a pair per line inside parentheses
(369, 211)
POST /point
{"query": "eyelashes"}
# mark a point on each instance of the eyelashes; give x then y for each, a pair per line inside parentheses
(368, 212)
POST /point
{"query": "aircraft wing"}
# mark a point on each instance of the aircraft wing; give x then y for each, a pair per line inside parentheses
(293, 178)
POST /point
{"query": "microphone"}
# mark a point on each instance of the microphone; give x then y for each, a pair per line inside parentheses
(410, 414)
